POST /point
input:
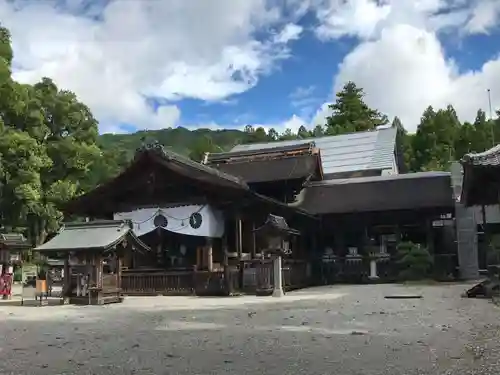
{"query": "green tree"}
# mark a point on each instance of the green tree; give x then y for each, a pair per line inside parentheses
(351, 113)
(403, 141)
(318, 131)
(434, 142)
(22, 159)
(288, 135)
(201, 147)
(303, 133)
(258, 135)
(272, 135)
(464, 140)
(69, 137)
(483, 133)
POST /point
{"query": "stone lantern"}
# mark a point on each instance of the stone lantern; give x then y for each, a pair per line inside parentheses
(276, 233)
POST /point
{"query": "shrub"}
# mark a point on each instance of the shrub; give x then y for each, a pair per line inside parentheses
(18, 274)
(414, 261)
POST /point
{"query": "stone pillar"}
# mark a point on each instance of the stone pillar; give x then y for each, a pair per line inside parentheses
(373, 269)
(278, 281)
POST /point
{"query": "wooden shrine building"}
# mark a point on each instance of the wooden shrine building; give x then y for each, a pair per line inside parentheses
(481, 187)
(354, 183)
(346, 195)
(198, 221)
(93, 255)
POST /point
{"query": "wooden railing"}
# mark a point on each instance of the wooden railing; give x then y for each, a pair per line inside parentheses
(295, 274)
(157, 283)
(205, 283)
(258, 276)
(355, 271)
(215, 284)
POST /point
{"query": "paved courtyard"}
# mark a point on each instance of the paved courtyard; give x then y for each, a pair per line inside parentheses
(328, 330)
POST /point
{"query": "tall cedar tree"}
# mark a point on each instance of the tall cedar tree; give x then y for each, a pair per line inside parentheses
(351, 114)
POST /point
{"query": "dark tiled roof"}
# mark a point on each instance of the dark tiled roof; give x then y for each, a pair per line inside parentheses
(170, 156)
(481, 180)
(489, 157)
(381, 193)
(269, 164)
(94, 235)
(288, 168)
(177, 164)
(278, 151)
(13, 240)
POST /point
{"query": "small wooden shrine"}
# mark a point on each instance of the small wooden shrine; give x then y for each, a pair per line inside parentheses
(93, 253)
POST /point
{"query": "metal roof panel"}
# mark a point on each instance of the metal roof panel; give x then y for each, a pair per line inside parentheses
(347, 152)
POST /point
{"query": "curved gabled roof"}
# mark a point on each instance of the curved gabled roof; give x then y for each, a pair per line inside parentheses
(223, 185)
(94, 235)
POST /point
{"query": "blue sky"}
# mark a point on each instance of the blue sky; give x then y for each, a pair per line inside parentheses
(272, 63)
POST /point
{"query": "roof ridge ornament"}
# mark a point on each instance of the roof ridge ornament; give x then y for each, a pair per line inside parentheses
(153, 145)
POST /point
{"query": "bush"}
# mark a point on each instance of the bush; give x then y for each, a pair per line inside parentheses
(414, 261)
(18, 274)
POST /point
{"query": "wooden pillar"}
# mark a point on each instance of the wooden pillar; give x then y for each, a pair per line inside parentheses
(198, 258)
(209, 255)
(485, 228)
(119, 269)
(227, 283)
(429, 236)
(66, 278)
(239, 237)
(254, 241)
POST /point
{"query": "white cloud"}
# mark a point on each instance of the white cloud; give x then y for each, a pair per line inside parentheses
(485, 16)
(400, 61)
(114, 55)
(289, 33)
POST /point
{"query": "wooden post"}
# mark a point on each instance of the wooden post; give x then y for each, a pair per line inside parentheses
(254, 241)
(66, 278)
(239, 244)
(209, 254)
(429, 236)
(119, 270)
(225, 261)
(239, 237)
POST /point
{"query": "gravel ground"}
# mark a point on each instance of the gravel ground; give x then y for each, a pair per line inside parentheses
(328, 330)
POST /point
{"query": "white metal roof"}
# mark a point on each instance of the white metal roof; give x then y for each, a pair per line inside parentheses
(353, 152)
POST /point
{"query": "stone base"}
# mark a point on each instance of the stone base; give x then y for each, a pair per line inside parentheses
(278, 293)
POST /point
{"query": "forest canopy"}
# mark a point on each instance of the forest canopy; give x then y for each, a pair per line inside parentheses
(51, 150)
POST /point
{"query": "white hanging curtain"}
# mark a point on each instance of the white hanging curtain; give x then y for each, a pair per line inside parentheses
(193, 220)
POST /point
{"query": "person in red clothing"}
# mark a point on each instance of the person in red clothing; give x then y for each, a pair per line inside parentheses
(5, 282)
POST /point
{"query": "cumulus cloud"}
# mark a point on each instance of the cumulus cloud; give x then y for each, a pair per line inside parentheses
(116, 54)
(400, 60)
